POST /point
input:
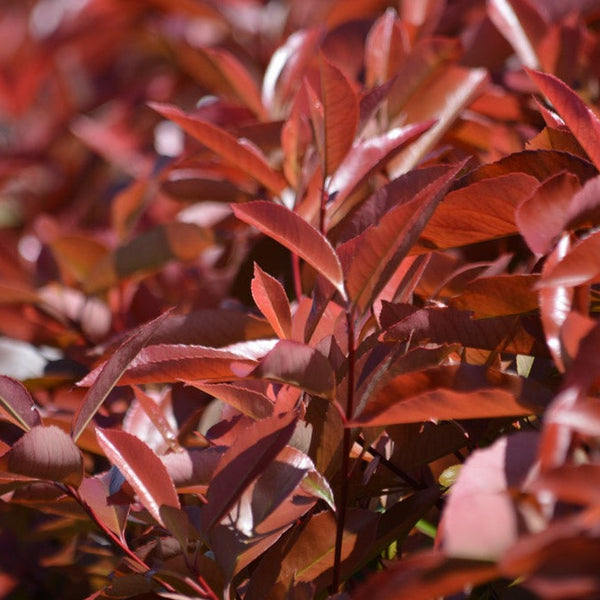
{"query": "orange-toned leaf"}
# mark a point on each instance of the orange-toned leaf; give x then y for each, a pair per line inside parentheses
(271, 299)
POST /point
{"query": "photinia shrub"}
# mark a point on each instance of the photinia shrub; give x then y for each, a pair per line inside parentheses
(298, 299)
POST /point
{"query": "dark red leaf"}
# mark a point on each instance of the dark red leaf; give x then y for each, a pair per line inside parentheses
(17, 401)
(248, 159)
(47, 453)
(107, 376)
(296, 234)
(579, 118)
(141, 468)
(271, 299)
(248, 401)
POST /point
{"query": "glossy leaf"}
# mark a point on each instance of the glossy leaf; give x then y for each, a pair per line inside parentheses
(17, 401)
(452, 392)
(109, 374)
(45, 453)
(579, 118)
(296, 235)
(222, 143)
(271, 299)
(141, 468)
(243, 462)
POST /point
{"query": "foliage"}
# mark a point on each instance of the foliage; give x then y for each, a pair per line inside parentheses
(298, 299)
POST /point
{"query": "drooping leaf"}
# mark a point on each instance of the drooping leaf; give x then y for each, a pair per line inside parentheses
(141, 468)
(341, 113)
(453, 392)
(271, 299)
(377, 252)
(46, 453)
(296, 235)
(109, 374)
(579, 118)
(18, 402)
(243, 462)
(148, 252)
(246, 158)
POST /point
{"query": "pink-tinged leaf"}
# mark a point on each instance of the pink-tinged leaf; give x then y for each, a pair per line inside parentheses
(143, 470)
(483, 489)
(584, 209)
(484, 210)
(94, 491)
(243, 462)
(425, 576)
(446, 96)
(191, 470)
(299, 365)
(499, 296)
(162, 363)
(45, 453)
(579, 118)
(555, 303)
(374, 255)
(451, 326)
(154, 414)
(364, 158)
(17, 401)
(341, 113)
(453, 392)
(575, 484)
(107, 376)
(541, 218)
(247, 159)
(521, 25)
(249, 402)
(580, 265)
(296, 235)
(271, 299)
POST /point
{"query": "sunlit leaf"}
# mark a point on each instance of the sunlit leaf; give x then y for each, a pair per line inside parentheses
(18, 402)
(271, 299)
(141, 467)
(248, 401)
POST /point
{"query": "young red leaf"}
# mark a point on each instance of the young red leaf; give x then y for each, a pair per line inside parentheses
(18, 402)
(271, 299)
(46, 453)
(453, 392)
(249, 402)
(299, 365)
(482, 489)
(340, 106)
(579, 118)
(376, 254)
(298, 236)
(192, 469)
(542, 217)
(222, 143)
(109, 374)
(155, 414)
(141, 468)
(243, 462)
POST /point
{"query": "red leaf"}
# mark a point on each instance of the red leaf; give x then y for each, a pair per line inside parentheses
(296, 235)
(453, 392)
(271, 299)
(243, 462)
(341, 113)
(45, 453)
(575, 484)
(579, 118)
(247, 401)
(584, 209)
(375, 254)
(542, 217)
(15, 398)
(299, 365)
(482, 490)
(192, 469)
(141, 468)
(108, 375)
(247, 159)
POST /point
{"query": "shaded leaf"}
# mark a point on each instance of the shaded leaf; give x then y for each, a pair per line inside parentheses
(453, 392)
(243, 462)
(143, 470)
(47, 453)
(271, 299)
(250, 402)
(298, 236)
(107, 376)
(18, 403)
(248, 159)
(94, 491)
(191, 470)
